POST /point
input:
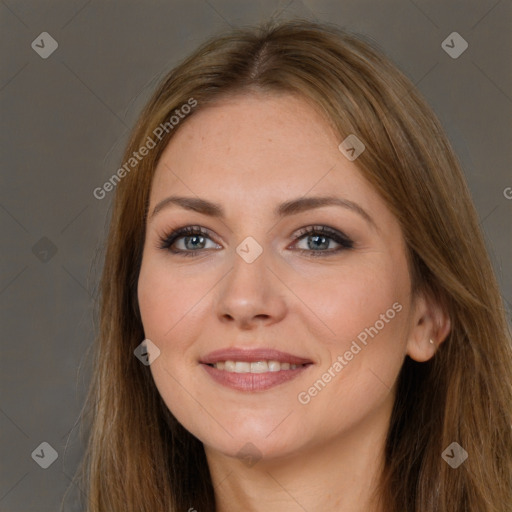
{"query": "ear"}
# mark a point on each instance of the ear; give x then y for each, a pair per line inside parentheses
(429, 321)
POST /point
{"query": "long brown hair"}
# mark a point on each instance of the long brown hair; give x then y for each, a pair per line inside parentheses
(139, 458)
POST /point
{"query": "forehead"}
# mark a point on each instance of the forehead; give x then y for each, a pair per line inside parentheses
(258, 141)
(271, 116)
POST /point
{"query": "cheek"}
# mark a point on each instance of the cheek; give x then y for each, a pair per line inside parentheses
(154, 298)
(167, 300)
(364, 314)
(354, 298)
(365, 307)
(169, 312)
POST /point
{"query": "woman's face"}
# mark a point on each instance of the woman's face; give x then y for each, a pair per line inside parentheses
(334, 301)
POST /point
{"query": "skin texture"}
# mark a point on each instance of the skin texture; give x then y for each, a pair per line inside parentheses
(250, 153)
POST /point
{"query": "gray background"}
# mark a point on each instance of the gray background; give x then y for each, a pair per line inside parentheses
(65, 120)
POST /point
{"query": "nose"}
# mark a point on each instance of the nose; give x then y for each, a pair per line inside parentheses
(251, 294)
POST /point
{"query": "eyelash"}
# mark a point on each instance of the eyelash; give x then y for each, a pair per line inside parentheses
(167, 240)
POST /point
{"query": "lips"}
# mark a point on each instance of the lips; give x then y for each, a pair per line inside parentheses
(252, 356)
(277, 368)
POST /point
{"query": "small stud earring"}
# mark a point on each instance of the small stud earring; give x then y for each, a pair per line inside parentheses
(431, 341)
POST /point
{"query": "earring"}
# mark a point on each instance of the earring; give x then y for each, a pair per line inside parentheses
(431, 341)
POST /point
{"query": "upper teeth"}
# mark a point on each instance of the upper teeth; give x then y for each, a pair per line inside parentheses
(256, 367)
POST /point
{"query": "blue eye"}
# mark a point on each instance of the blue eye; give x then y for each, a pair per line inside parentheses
(194, 240)
(193, 237)
(319, 237)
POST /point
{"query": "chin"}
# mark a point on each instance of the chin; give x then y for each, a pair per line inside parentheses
(251, 449)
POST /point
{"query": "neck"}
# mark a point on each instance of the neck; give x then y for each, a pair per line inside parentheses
(335, 475)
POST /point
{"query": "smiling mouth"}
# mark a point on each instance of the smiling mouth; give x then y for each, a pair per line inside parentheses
(255, 367)
(254, 376)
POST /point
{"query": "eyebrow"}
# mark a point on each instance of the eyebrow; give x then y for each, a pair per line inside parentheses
(285, 209)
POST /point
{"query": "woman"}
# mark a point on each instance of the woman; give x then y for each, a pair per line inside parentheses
(293, 239)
